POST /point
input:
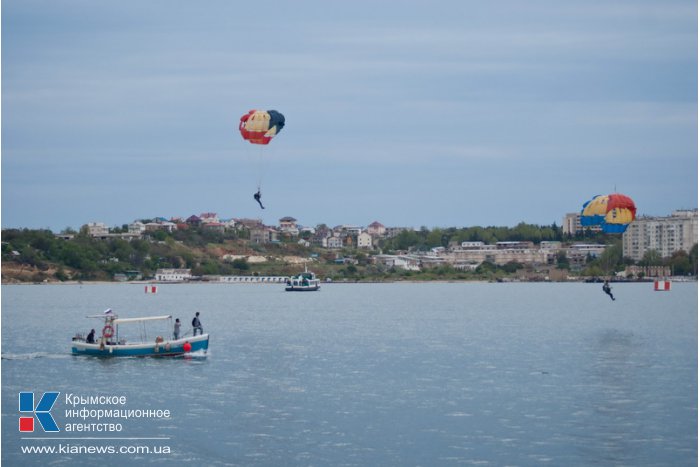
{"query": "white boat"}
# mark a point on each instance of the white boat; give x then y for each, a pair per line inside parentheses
(304, 282)
(112, 343)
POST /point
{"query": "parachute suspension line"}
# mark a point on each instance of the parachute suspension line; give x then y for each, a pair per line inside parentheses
(266, 156)
(259, 127)
(261, 165)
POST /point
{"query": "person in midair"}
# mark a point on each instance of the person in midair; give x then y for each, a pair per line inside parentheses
(257, 198)
(608, 290)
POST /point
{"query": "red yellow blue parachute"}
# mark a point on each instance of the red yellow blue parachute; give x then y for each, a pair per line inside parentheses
(613, 213)
(260, 126)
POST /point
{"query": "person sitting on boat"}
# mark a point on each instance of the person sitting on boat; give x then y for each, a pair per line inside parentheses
(196, 325)
(176, 329)
(257, 198)
(608, 290)
(91, 337)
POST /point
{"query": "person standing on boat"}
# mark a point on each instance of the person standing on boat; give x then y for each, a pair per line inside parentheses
(90, 337)
(176, 329)
(196, 325)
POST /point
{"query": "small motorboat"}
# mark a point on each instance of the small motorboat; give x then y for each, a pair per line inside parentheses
(114, 342)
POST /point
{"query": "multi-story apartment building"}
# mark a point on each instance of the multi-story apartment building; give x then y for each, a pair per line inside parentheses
(571, 224)
(666, 235)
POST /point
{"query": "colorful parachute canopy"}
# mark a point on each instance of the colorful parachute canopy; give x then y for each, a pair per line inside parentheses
(260, 126)
(613, 213)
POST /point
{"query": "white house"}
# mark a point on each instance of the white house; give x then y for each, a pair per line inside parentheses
(333, 243)
(399, 262)
(137, 228)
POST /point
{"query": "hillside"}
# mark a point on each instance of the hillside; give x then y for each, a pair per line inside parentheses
(42, 256)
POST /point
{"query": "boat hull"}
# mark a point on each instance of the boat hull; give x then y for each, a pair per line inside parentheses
(301, 288)
(162, 349)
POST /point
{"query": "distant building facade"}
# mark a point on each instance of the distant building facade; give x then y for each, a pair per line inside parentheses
(571, 224)
(97, 229)
(665, 235)
(173, 275)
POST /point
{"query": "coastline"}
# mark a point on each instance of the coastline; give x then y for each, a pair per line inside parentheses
(348, 282)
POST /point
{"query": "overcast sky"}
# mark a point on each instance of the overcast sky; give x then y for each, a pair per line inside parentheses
(414, 113)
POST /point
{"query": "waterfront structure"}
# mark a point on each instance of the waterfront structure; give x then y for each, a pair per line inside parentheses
(247, 279)
(665, 235)
(173, 275)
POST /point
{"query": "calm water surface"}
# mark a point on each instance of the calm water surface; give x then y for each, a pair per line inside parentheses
(371, 374)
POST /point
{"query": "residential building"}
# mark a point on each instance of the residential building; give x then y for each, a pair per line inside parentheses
(364, 240)
(500, 254)
(578, 253)
(515, 245)
(209, 217)
(163, 225)
(250, 223)
(376, 229)
(665, 235)
(334, 243)
(571, 224)
(347, 230)
(288, 225)
(550, 245)
(263, 234)
(193, 220)
(97, 229)
(321, 236)
(137, 228)
(214, 226)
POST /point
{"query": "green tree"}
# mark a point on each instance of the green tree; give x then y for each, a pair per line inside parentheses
(651, 258)
(611, 259)
(240, 264)
(562, 261)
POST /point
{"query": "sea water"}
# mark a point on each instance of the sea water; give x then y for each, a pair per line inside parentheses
(521, 374)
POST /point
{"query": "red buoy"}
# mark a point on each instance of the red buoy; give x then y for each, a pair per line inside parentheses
(187, 347)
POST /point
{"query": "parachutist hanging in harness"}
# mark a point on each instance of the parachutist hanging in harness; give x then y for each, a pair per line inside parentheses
(259, 127)
(257, 198)
(608, 290)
